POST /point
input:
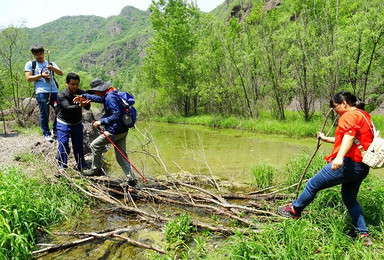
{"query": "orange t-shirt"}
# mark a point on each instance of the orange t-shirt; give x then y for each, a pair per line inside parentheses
(353, 123)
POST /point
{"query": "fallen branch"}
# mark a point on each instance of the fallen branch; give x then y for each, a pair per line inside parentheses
(92, 236)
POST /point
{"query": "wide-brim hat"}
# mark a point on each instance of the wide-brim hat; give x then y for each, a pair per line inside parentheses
(98, 85)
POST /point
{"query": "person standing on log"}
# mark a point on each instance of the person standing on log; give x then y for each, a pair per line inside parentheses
(115, 128)
(69, 122)
(345, 164)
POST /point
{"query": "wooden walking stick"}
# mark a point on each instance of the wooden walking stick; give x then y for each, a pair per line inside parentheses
(313, 154)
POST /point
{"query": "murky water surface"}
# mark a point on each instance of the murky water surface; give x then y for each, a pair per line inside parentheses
(227, 153)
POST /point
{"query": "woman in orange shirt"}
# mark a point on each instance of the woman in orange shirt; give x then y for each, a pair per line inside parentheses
(345, 164)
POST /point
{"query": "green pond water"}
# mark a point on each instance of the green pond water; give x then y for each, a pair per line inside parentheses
(197, 150)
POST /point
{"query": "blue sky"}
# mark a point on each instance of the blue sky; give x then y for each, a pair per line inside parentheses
(33, 13)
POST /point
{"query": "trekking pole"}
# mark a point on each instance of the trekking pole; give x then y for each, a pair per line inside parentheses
(50, 80)
(125, 157)
(313, 154)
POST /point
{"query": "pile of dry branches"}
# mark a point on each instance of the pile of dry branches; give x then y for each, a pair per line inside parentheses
(196, 193)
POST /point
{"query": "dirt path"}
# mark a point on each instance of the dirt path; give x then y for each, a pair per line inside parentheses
(13, 144)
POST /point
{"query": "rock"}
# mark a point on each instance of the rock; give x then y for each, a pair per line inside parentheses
(379, 110)
(90, 134)
(271, 4)
(29, 105)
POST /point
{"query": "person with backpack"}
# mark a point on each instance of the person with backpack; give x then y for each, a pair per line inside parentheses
(115, 128)
(69, 122)
(345, 164)
(41, 72)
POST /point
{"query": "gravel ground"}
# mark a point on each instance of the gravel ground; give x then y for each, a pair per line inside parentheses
(13, 144)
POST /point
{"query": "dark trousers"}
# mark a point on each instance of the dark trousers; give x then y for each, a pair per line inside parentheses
(75, 132)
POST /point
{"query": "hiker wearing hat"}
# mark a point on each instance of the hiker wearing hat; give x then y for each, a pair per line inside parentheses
(115, 129)
(40, 71)
(69, 122)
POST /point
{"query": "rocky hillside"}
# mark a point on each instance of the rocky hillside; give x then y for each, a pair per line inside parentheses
(86, 42)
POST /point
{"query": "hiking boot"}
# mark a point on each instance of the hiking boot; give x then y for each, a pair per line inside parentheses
(93, 172)
(132, 183)
(288, 211)
(365, 239)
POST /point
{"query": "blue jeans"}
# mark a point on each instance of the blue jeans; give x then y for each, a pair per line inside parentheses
(75, 132)
(42, 100)
(350, 176)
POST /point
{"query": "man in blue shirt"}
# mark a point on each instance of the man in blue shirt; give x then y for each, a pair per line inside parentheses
(41, 73)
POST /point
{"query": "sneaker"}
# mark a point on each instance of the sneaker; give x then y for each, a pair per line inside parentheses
(288, 212)
(48, 138)
(366, 239)
(93, 172)
(54, 136)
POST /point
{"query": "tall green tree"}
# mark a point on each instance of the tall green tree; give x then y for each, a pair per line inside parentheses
(304, 58)
(169, 64)
(362, 35)
(274, 42)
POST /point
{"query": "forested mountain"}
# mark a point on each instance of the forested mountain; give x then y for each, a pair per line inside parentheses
(94, 43)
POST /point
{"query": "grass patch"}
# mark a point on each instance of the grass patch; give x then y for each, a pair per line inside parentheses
(178, 231)
(28, 130)
(295, 167)
(26, 205)
(321, 233)
(263, 175)
(24, 157)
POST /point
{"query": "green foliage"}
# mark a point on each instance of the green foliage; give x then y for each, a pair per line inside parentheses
(263, 174)
(264, 59)
(178, 231)
(371, 196)
(78, 42)
(169, 62)
(26, 205)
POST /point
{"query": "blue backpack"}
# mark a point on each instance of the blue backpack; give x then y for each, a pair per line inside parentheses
(129, 114)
